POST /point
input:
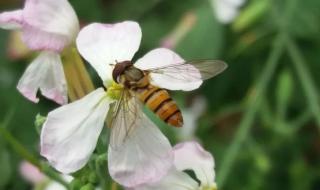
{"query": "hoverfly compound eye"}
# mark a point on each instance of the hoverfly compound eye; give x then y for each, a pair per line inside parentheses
(119, 69)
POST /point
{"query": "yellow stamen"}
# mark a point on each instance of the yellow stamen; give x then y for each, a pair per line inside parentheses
(114, 91)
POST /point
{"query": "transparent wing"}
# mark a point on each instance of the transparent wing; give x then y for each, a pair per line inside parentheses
(185, 76)
(124, 118)
(192, 70)
(138, 150)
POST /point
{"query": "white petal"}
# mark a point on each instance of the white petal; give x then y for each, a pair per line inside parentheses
(235, 3)
(104, 44)
(11, 20)
(226, 10)
(167, 73)
(190, 118)
(53, 185)
(190, 155)
(144, 156)
(44, 73)
(175, 180)
(49, 24)
(158, 58)
(70, 133)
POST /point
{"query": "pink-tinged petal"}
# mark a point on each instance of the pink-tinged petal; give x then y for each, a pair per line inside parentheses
(190, 155)
(169, 73)
(144, 154)
(39, 40)
(105, 44)
(175, 180)
(31, 173)
(11, 20)
(44, 73)
(49, 24)
(70, 133)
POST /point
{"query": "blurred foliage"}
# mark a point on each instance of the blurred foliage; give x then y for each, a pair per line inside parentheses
(263, 118)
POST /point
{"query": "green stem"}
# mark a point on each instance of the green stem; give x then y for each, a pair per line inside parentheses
(304, 75)
(25, 154)
(254, 103)
(78, 79)
(18, 147)
(100, 170)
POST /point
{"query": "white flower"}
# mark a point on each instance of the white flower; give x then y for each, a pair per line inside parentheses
(47, 26)
(71, 132)
(187, 156)
(190, 116)
(226, 10)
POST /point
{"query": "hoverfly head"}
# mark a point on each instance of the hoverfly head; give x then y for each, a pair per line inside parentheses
(119, 70)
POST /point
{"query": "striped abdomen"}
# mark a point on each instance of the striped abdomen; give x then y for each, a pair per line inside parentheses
(159, 101)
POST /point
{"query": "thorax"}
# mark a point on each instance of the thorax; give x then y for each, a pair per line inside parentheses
(129, 76)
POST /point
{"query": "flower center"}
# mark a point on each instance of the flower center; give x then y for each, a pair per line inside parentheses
(114, 90)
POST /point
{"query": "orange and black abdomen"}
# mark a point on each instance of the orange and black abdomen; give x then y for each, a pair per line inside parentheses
(159, 101)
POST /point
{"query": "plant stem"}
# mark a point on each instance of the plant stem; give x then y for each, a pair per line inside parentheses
(78, 79)
(25, 154)
(254, 103)
(114, 186)
(304, 75)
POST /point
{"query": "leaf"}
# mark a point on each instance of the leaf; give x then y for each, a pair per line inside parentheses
(205, 40)
(305, 20)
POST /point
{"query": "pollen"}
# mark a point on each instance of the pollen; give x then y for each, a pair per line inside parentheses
(114, 91)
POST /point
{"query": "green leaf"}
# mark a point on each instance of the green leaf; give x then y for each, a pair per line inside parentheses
(251, 14)
(305, 20)
(87, 187)
(205, 39)
(284, 92)
(38, 122)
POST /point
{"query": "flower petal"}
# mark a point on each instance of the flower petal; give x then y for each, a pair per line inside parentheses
(226, 10)
(70, 133)
(168, 75)
(175, 180)
(145, 155)
(55, 28)
(158, 58)
(104, 44)
(190, 155)
(46, 73)
(31, 173)
(11, 19)
(53, 185)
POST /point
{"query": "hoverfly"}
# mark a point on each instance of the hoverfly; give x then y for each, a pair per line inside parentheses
(138, 90)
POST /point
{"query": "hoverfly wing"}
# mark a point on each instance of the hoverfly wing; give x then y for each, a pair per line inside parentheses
(123, 119)
(208, 68)
(187, 75)
(138, 149)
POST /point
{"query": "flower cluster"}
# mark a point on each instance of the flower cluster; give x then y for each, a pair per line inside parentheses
(48, 27)
(138, 158)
